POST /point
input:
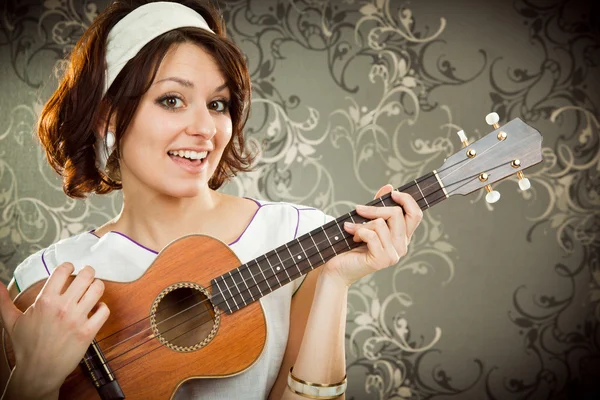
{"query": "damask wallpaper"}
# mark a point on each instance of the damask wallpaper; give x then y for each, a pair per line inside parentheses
(493, 301)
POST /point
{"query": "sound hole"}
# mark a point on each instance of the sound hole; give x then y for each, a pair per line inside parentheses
(184, 318)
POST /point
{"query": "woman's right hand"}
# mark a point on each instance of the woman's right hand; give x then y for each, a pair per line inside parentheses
(51, 337)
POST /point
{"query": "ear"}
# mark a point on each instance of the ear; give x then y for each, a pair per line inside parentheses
(104, 124)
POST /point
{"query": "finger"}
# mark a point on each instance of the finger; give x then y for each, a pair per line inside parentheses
(9, 313)
(372, 212)
(371, 239)
(392, 247)
(80, 284)
(394, 216)
(397, 225)
(384, 190)
(380, 227)
(412, 212)
(58, 278)
(98, 318)
(91, 296)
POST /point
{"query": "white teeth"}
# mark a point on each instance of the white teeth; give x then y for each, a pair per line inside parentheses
(189, 154)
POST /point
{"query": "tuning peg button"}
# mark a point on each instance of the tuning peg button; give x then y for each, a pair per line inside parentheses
(492, 196)
(493, 119)
(524, 183)
(463, 138)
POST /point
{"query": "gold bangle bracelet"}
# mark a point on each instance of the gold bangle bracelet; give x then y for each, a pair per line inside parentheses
(319, 391)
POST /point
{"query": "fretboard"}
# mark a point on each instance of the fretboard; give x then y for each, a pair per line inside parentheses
(280, 266)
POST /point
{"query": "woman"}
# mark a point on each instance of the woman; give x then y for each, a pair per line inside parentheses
(154, 103)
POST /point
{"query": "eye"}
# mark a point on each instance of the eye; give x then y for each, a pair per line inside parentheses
(219, 105)
(171, 102)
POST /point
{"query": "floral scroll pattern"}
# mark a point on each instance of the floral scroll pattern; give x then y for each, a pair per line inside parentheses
(350, 95)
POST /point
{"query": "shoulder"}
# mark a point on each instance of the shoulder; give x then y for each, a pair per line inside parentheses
(39, 265)
(299, 217)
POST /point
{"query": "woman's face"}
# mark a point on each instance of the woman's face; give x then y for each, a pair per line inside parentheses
(181, 127)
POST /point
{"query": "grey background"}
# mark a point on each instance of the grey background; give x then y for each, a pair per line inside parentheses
(492, 302)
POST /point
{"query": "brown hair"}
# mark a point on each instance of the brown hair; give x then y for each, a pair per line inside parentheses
(69, 121)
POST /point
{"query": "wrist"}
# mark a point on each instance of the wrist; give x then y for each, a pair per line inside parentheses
(332, 278)
(28, 386)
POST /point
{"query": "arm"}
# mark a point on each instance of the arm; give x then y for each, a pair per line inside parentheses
(59, 325)
(318, 314)
(13, 381)
(317, 352)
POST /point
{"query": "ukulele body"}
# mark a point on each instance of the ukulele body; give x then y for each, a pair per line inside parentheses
(188, 338)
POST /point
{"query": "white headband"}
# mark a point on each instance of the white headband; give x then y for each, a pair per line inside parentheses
(142, 25)
(133, 32)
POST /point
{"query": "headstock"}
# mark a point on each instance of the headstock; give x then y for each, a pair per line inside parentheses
(505, 151)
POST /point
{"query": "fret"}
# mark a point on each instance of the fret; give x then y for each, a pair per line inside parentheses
(309, 251)
(389, 201)
(249, 279)
(283, 266)
(263, 274)
(256, 284)
(302, 263)
(340, 242)
(342, 232)
(268, 272)
(243, 280)
(292, 258)
(432, 191)
(357, 219)
(272, 269)
(313, 254)
(324, 244)
(316, 247)
(421, 192)
(329, 240)
(305, 256)
(238, 289)
(223, 295)
(229, 290)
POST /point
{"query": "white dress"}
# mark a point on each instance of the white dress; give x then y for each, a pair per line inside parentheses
(117, 257)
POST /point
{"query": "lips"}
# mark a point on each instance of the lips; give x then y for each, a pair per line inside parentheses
(189, 165)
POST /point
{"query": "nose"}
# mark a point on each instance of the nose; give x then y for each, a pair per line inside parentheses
(202, 124)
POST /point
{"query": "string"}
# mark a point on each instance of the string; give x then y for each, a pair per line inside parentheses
(252, 276)
(276, 264)
(248, 289)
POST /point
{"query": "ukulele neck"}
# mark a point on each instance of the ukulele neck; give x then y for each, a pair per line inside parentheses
(280, 266)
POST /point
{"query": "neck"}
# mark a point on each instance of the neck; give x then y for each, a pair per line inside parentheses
(140, 217)
(259, 277)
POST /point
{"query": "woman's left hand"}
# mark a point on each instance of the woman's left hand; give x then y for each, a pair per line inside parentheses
(387, 236)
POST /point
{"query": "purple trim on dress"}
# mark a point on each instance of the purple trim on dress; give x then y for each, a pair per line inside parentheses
(297, 223)
(93, 231)
(249, 223)
(256, 201)
(126, 237)
(134, 242)
(44, 262)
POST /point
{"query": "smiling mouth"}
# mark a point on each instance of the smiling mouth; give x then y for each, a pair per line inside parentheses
(189, 154)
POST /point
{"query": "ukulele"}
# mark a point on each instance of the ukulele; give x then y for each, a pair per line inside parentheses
(197, 303)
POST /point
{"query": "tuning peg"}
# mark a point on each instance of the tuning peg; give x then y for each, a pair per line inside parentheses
(463, 138)
(524, 183)
(492, 196)
(493, 119)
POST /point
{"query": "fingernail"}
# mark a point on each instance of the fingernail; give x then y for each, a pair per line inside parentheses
(360, 207)
(348, 224)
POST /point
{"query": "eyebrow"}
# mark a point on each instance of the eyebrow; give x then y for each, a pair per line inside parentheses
(187, 83)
